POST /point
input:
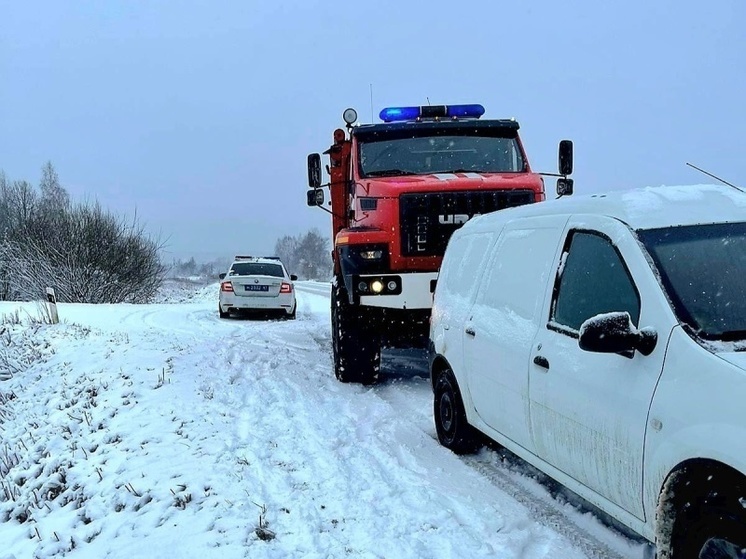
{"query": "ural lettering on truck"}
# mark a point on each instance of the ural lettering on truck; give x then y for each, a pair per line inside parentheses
(399, 189)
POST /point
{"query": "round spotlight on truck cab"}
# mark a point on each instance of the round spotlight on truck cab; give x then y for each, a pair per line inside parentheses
(376, 286)
(349, 116)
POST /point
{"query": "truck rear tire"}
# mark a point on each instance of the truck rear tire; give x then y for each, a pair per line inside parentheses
(356, 340)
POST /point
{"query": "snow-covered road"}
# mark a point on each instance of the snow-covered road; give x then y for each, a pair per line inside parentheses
(162, 431)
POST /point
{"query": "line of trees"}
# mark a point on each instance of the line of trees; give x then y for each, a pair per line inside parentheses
(88, 254)
(191, 268)
(308, 256)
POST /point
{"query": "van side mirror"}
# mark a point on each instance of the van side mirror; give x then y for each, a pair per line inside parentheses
(565, 157)
(293, 277)
(564, 187)
(614, 333)
(315, 197)
(314, 170)
(221, 276)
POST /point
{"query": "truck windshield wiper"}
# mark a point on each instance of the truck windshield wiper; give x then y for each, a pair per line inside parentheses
(481, 171)
(389, 173)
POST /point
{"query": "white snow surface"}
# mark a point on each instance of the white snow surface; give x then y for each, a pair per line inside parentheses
(163, 431)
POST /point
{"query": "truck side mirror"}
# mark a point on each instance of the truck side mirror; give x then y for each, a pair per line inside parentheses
(565, 157)
(564, 187)
(314, 170)
(315, 197)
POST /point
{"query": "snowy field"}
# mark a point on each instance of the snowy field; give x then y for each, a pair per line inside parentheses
(162, 431)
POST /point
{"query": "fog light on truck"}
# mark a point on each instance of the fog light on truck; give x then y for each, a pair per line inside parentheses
(362, 287)
(391, 286)
(376, 286)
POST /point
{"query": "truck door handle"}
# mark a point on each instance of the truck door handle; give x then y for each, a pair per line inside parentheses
(541, 361)
(470, 331)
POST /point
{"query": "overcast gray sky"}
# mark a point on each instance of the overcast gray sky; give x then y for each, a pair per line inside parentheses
(199, 114)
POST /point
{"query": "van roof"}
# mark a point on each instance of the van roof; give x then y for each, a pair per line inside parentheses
(642, 208)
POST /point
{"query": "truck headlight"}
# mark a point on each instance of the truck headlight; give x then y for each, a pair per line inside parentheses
(371, 254)
(378, 285)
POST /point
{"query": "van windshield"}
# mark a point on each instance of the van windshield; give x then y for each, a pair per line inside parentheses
(432, 154)
(703, 269)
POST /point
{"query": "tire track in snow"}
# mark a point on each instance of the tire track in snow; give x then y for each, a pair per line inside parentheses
(359, 425)
(414, 397)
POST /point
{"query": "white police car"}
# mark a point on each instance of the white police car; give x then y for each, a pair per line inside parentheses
(603, 339)
(257, 284)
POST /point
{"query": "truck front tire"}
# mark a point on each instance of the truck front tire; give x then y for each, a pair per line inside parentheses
(356, 341)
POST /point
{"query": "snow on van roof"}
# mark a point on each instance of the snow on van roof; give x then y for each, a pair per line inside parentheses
(644, 208)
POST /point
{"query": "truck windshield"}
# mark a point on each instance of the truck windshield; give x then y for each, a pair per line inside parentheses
(425, 155)
(703, 269)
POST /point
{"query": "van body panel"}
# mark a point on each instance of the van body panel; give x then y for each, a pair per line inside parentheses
(504, 320)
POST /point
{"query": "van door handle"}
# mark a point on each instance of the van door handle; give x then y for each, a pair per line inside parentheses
(541, 361)
(470, 331)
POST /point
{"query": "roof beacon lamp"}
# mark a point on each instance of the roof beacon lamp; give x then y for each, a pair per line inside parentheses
(396, 114)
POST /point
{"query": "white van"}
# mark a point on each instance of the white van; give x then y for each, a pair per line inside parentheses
(603, 340)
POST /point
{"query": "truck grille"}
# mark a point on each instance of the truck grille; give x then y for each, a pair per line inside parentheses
(429, 220)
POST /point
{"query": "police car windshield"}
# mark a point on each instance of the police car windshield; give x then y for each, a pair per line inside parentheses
(423, 155)
(703, 269)
(256, 269)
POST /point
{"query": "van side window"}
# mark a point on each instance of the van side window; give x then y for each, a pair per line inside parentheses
(592, 279)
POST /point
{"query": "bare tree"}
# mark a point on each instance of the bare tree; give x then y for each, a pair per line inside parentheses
(85, 252)
(307, 255)
(100, 259)
(286, 248)
(53, 195)
(19, 204)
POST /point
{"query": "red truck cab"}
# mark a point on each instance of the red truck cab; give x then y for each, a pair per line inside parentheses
(399, 189)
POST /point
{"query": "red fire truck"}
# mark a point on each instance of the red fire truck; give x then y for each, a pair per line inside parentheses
(398, 190)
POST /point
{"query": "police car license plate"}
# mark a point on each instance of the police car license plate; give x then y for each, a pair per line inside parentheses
(253, 287)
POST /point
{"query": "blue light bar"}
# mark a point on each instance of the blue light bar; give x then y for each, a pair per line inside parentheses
(465, 111)
(394, 114)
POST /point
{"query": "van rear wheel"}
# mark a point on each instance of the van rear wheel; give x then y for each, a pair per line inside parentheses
(454, 432)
